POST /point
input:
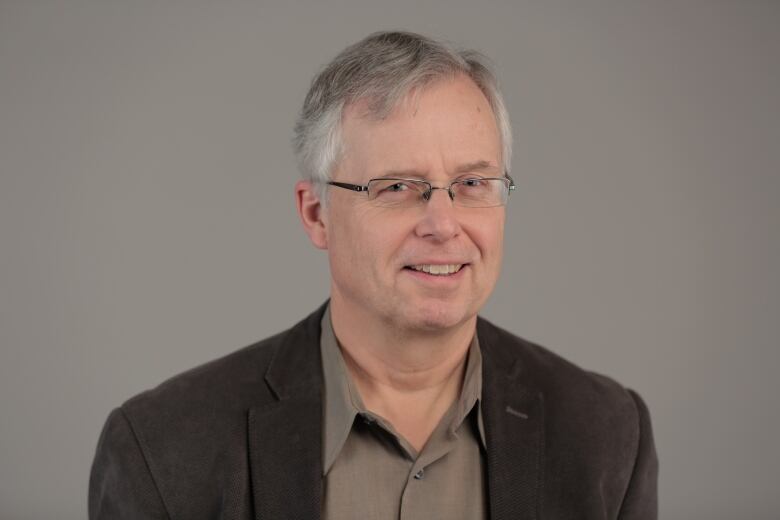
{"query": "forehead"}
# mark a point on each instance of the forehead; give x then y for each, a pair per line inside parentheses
(435, 129)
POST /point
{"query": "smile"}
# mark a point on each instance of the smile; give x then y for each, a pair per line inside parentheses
(437, 269)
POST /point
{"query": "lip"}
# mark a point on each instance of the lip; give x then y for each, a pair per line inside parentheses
(436, 261)
(437, 279)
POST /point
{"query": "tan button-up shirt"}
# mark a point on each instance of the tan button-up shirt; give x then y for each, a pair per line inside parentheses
(372, 473)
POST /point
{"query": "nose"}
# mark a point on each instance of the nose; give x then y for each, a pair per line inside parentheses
(438, 221)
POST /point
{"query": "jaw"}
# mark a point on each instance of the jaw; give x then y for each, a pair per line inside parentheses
(436, 302)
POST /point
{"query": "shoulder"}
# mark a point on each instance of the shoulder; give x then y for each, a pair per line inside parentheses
(231, 381)
(177, 446)
(597, 433)
(230, 384)
(205, 408)
(190, 431)
(584, 411)
(186, 439)
(561, 382)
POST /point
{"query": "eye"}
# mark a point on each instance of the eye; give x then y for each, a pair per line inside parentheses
(391, 190)
(398, 186)
(474, 182)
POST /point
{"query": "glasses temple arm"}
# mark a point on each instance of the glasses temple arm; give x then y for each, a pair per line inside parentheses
(346, 185)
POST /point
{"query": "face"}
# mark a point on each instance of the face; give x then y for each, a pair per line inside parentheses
(444, 132)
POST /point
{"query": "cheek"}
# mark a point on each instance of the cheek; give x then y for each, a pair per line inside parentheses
(340, 235)
(362, 241)
(489, 234)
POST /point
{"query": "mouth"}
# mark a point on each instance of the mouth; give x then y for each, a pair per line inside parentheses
(436, 269)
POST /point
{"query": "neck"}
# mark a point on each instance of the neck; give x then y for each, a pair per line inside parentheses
(410, 378)
(382, 354)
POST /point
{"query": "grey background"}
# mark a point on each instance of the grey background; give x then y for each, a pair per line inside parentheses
(147, 221)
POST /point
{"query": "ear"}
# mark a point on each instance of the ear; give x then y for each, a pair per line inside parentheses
(311, 212)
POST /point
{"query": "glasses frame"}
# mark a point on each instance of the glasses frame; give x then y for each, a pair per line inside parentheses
(426, 195)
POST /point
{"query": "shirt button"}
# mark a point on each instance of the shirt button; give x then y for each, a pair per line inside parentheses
(420, 474)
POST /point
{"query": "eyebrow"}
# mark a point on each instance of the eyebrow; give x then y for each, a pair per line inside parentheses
(472, 167)
(478, 166)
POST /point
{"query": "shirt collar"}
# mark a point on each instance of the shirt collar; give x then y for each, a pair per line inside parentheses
(342, 400)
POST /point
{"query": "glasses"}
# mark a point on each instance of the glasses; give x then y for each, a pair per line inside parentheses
(471, 192)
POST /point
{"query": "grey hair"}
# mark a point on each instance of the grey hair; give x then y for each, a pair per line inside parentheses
(383, 69)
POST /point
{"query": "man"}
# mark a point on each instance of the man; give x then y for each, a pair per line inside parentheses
(393, 400)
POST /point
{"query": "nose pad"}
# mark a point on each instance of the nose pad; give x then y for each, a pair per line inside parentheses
(427, 195)
(438, 221)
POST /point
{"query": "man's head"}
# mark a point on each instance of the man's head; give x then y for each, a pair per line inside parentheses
(383, 69)
(402, 105)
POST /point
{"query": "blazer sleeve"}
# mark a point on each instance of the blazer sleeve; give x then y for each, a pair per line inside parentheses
(120, 484)
(641, 499)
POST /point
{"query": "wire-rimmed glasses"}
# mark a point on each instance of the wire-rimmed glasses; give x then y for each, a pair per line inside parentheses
(470, 192)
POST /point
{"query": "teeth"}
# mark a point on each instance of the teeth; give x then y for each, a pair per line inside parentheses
(438, 270)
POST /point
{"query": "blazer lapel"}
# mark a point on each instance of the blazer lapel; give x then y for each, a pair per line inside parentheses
(513, 415)
(285, 436)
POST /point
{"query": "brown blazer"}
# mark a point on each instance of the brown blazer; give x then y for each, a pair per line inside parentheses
(240, 438)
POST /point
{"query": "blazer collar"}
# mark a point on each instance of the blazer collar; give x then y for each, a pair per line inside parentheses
(513, 410)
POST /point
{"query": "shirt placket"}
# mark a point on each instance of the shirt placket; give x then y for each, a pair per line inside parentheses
(418, 486)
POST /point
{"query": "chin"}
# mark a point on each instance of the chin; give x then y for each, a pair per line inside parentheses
(438, 316)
